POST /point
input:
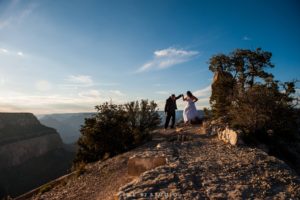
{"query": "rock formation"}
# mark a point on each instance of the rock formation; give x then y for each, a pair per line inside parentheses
(23, 137)
(30, 149)
(196, 166)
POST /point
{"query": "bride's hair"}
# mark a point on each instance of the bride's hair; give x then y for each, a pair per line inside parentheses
(189, 94)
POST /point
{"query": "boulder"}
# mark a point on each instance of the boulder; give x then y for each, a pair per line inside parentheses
(229, 136)
(212, 127)
(138, 165)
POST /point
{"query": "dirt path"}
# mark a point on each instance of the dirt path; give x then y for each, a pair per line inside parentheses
(101, 180)
(198, 167)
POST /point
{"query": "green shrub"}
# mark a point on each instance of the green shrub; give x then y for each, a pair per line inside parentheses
(115, 129)
(79, 168)
(246, 96)
(45, 188)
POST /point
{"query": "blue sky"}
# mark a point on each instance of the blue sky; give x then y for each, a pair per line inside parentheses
(68, 56)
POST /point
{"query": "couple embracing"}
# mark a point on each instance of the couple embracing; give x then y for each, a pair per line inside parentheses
(189, 113)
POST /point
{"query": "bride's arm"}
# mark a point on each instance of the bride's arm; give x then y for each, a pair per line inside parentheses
(195, 99)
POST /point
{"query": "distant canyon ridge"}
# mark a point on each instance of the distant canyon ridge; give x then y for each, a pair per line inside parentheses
(31, 154)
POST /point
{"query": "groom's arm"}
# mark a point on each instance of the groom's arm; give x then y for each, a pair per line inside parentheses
(179, 96)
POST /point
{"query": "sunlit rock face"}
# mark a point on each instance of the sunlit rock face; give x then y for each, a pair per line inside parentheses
(22, 137)
(13, 154)
(31, 154)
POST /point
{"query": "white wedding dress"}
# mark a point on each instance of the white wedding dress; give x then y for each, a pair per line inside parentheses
(190, 112)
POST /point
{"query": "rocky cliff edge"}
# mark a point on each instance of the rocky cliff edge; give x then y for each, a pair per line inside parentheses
(183, 164)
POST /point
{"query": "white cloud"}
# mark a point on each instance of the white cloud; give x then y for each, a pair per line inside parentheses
(12, 15)
(203, 92)
(117, 92)
(246, 38)
(90, 94)
(20, 53)
(7, 52)
(4, 51)
(3, 81)
(5, 22)
(79, 80)
(107, 83)
(168, 57)
(297, 93)
(52, 103)
(43, 85)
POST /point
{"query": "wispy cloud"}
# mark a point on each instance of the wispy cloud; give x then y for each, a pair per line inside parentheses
(15, 15)
(167, 58)
(6, 52)
(2, 81)
(203, 92)
(79, 81)
(90, 94)
(20, 53)
(43, 85)
(82, 102)
(117, 92)
(106, 83)
(246, 38)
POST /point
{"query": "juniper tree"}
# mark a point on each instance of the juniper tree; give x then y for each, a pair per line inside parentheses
(115, 129)
(247, 95)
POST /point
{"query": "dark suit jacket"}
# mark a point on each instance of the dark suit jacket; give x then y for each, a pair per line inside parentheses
(171, 104)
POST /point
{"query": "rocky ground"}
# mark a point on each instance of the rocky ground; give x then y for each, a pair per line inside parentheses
(197, 167)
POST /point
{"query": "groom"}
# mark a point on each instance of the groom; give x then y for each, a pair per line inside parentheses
(170, 108)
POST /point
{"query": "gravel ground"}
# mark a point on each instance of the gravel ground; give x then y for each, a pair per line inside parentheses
(198, 167)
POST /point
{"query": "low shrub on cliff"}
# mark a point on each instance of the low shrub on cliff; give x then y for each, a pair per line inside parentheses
(116, 129)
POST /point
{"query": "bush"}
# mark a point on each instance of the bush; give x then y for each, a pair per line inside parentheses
(45, 188)
(246, 96)
(116, 129)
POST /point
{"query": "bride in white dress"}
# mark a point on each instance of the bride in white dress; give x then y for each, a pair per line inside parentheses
(190, 112)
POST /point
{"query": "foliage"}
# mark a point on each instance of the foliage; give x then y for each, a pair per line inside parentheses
(45, 188)
(207, 113)
(116, 129)
(79, 168)
(246, 96)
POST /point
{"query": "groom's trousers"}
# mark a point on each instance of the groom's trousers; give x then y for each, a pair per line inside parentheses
(169, 116)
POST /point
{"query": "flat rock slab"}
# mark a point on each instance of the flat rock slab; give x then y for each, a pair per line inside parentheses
(138, 165)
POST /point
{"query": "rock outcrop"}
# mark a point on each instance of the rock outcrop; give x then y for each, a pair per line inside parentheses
(140, 164)
(21, 126)
(16, 153)
(30, 153)
(197, 167)
(22, 137)
(229, 136)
